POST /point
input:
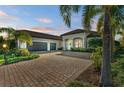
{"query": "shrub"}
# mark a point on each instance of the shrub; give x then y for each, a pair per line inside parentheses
(22, 58)
(96, 57)
(94, 42)
(1, 51)
(81, 50)
(79, 84)
(118, 72)
(23, 52)
(60, 48)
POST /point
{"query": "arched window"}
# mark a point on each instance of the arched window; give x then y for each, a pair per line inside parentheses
(78, 43)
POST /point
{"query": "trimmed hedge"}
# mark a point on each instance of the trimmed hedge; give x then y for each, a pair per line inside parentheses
(82, 50)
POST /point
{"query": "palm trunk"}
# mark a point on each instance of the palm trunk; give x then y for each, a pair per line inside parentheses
(106, 65)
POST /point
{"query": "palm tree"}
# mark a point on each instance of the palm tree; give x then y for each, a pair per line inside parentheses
(23, 36)
(89, 13)
(12, 35)
(117, 25)
(6, 39)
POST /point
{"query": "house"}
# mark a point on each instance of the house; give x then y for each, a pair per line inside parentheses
(46, 42)
(41, 41)
(77, 38)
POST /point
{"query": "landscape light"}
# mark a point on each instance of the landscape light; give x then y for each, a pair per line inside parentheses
(4, 45)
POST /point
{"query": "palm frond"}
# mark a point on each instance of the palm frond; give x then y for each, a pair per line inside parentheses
(10, 32)
(24, 37)
(100, 23)
(89, 12)
(66, 12)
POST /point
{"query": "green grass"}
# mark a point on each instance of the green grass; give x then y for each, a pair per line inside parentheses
(14, 59)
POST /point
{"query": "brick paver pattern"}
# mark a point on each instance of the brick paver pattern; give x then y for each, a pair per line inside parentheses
(49, 70)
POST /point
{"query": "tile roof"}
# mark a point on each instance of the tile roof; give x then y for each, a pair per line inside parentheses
(90, 33)
(41, 35)
(73, 32)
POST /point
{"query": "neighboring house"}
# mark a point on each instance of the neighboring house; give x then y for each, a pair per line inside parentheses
(46, 42)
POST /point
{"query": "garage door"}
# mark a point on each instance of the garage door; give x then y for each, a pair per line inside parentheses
(38, 46)
(52, 46)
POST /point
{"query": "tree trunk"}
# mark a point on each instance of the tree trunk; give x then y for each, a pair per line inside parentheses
(106, 65)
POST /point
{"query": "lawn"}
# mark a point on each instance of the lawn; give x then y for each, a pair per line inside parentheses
(13, 59)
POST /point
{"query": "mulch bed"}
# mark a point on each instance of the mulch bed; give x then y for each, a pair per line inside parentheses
(90, 76)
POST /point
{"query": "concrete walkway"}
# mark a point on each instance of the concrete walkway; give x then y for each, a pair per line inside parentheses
(49, 70)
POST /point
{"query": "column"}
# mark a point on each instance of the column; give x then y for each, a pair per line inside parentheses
(64, 44)
(85, 41)
(48, 46)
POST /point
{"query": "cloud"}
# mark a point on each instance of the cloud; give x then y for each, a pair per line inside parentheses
(48, 30)
(44, 20)
(2, 13)
(5, 18)
(43, 29)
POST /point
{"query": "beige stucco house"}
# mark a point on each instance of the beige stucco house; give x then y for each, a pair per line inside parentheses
(46, 42)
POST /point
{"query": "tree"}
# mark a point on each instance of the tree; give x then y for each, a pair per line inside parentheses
(5, 40)
(89, 13)
(116, 22)
(23, 37)
(12, 35)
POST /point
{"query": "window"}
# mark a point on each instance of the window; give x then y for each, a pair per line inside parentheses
(78, 43)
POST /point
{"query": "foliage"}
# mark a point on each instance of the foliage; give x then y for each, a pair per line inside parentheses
(118, 53)
(118, 72)
(23, 52)
(61, 48)
(82, 49)
(66, 12)
(15, 59)
(24, 37)
(112, 16)
(13, 35)
(94, 42)
(10, 32)
(97, 42)
(96, 57)
(22, 58)
(79, 84)
(12, 44)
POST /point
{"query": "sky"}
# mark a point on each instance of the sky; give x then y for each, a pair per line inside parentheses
(42, 18)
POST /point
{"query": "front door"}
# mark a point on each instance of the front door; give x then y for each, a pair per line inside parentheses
(69, 44)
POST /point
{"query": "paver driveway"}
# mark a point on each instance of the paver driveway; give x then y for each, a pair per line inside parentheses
(49, 70)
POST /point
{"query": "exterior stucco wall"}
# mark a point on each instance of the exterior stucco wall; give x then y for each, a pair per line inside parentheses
(83, 36)
(21, 44)
(59, 43)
